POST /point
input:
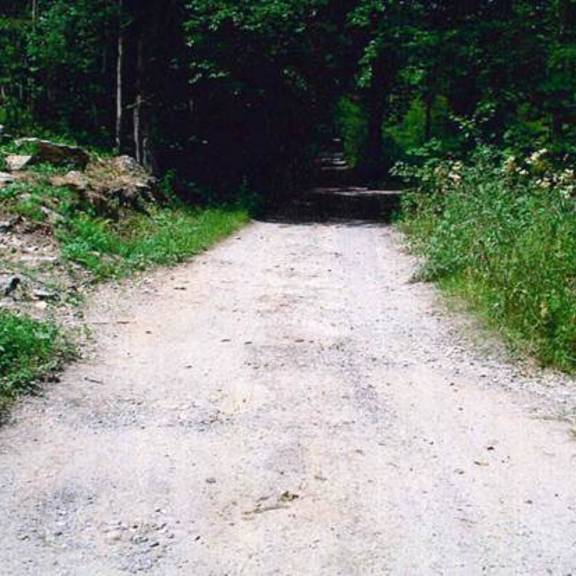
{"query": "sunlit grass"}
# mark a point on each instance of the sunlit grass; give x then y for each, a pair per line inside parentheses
(28, 350)
(165, 236)
(506, 243)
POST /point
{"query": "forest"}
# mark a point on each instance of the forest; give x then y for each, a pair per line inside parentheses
(469, 105)
(232, 93)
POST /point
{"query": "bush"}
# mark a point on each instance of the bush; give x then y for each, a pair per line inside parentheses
(28, 350)
(502, 233)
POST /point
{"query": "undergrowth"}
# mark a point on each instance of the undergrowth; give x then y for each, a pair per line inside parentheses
(164, 236)
(28, 350)
(501, 232)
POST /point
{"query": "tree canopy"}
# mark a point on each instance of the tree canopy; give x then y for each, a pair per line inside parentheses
(244, 92)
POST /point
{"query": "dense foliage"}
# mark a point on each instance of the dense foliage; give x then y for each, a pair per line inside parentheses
(501, 231)
(230, 91)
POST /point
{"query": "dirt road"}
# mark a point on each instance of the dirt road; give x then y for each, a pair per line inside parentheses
(290, 404)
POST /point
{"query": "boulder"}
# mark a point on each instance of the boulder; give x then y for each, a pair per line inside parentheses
(133, 184)
(128, 165)
(52, 217)
(56, 154)
(10, 224)
(101, 204)
(5, 179)
(124, 173)
(74, 180)
(96, 197)
(9, 284)
(17, 162)
(38, 259)
(46, 295)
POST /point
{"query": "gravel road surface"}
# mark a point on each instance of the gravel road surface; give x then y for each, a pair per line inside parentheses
(290, 404)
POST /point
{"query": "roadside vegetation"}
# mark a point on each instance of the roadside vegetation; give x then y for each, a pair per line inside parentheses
(164, 236)
(499, 231)
(29, 349)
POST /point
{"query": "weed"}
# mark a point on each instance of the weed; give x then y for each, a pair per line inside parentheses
(28, 350)
(503, 235)
(165, 236)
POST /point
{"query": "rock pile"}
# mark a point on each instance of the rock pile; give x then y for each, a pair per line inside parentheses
(106, 185)
(32, 273)
(53, 153)
(111, 184)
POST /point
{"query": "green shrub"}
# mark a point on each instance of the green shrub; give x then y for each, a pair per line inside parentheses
(28, 350)
(352, 123)
(502, 233)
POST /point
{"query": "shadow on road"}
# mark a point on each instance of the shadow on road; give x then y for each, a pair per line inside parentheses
(339, 205)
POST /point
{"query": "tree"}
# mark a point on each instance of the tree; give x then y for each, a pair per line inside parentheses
(235, 93)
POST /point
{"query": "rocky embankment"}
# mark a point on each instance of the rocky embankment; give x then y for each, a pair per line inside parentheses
(42, 185)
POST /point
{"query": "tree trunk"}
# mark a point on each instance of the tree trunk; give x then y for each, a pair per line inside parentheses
(137, 119)
(428, 103)
(120, 79)
(127, 78)
(566, 18)
(565, 15)
(145, 87)
(556, 126)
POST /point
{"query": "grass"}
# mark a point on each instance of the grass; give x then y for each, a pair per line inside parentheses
(503, 238)
(165, 236)
(30, 199)
(29, 350)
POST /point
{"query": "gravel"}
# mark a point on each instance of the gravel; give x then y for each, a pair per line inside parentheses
(303, 408)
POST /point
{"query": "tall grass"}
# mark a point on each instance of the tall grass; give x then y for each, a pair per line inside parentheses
(502, 234)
